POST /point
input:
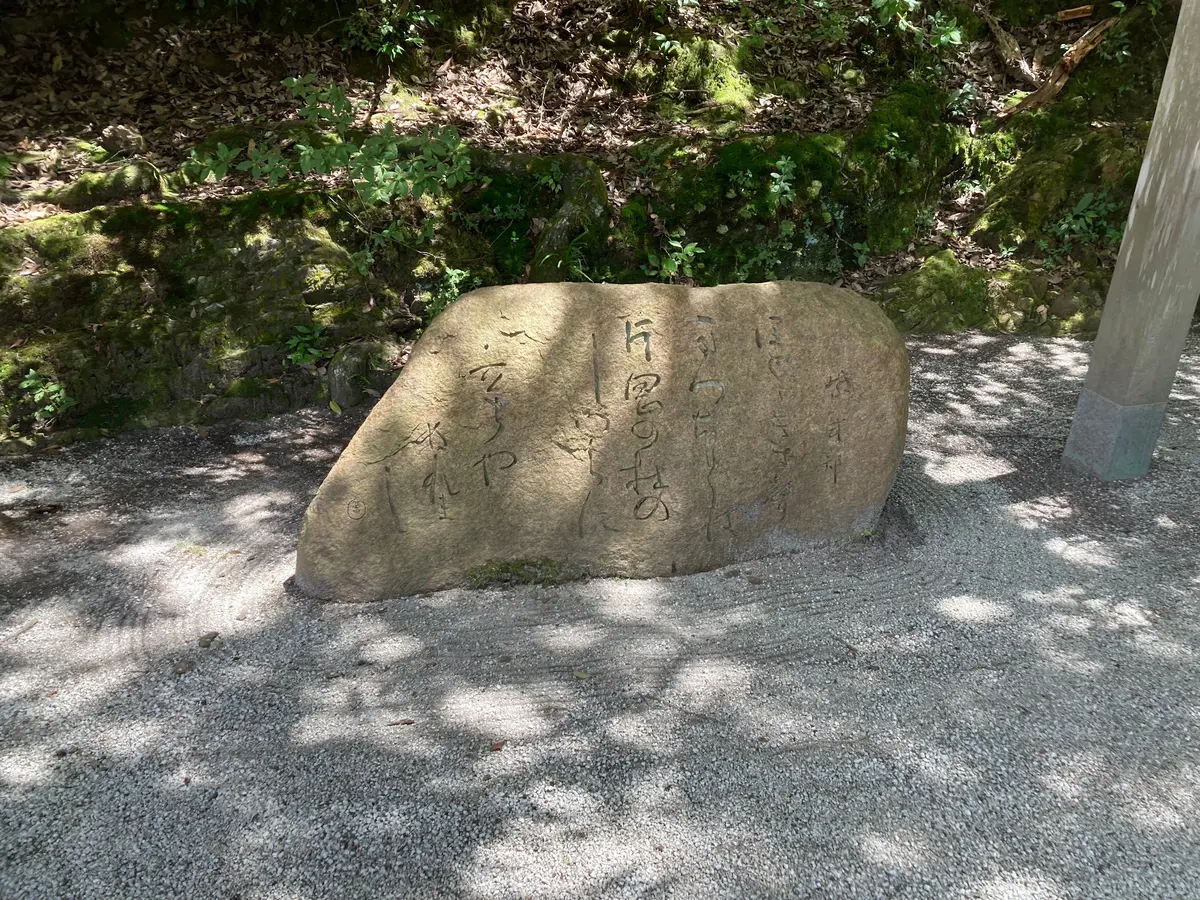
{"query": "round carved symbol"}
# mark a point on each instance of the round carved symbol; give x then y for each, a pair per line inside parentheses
(356, 509)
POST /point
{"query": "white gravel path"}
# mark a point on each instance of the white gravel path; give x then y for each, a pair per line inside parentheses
(999, 697)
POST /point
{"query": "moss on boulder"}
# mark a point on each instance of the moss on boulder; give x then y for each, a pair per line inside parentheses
(1036, 192)
(703, 71)
(502, 573)
(138, 178)
(946, 295)
(941, 296)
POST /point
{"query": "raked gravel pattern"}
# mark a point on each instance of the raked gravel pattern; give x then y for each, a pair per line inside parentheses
(997, 696)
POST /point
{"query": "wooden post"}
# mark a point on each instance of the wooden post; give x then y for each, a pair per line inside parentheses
(1155, 286)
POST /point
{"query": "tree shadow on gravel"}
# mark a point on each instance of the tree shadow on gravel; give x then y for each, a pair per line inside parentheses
(994, 698)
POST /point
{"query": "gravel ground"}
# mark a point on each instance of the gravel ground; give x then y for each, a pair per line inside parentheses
(994, 698)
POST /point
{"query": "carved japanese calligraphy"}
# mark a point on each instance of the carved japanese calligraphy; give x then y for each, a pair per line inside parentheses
(635, 430)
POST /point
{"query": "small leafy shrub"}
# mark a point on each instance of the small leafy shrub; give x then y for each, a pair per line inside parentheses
(963, 100)
(389, 28)
(676, 260)
(214, 167)
(832, 27)
(664, 44)
(934, 32)
(1089, 222)
(307, 345)
(49, 397)
(454, 283)
(782, 190)
(384, 167)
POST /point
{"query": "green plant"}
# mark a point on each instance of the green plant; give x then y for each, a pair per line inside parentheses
(942, 31)
(743, 183)
(677, 259)
(552, 179)
(763, 25)
(388, 27)
(895, 13)
(782, 190)
(1117, 48)
(573, 259)
(1089, 222)
(894, 149)
(832, 28)
(385, 166)
(862, 253)
(963, 100)
(453, 284)
(925, 220)
(664, 44)
(306, 346)
(266, 164)
(49, 396)
(934, 32)
(213, 166)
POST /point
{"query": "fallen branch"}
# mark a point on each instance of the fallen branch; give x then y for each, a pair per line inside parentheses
(1010, 52)
(1062, 70)
(1079, 12)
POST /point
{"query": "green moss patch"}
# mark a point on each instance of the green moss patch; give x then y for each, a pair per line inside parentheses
(946, 295)
(502, 572)
(703, 71)
(89, 189)
(157, 313)
(941, 296)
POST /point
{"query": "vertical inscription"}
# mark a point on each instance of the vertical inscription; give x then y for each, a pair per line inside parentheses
(437, 484)
(596, 368)
(644, 479)
(493, 458)
(490, 375)
(428, 440)
(590, 426)
(782, 451)
(708, 390)
(770, 344)
(838, 388)
(769, 341)
(632, 337)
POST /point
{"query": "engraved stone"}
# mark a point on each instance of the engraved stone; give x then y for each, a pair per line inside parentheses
(636, 430)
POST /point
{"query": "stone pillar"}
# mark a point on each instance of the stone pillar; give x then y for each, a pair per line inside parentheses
(1155, 286)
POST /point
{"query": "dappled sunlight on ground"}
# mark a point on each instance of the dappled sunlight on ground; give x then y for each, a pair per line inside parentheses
(993, 697)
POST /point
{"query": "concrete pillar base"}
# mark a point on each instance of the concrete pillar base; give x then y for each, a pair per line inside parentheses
(1113, 441)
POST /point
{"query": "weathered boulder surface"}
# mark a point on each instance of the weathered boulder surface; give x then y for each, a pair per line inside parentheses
(638, 430)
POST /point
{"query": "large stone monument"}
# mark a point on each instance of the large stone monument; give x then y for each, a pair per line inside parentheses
(636, 430)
